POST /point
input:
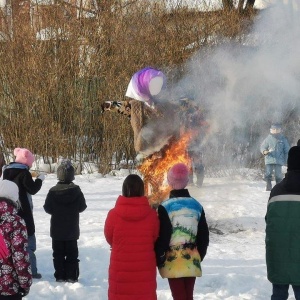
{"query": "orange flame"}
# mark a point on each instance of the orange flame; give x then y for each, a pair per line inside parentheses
(155, 167)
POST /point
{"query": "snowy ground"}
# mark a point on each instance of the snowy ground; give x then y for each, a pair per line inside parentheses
(233, 269)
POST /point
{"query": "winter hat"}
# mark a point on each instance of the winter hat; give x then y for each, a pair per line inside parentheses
(178, 176)
(293, 161)
(276, 126)
(9, 190)
(24, 156)
(65, 171)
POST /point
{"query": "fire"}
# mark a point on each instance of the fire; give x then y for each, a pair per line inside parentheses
(155, 167)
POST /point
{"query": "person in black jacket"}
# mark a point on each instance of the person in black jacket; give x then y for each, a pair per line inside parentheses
(64, 202)
(18, 172)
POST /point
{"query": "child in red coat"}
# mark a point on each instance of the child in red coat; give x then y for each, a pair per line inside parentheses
(131, 229)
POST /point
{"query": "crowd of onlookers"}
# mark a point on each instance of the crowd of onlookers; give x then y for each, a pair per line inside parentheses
(172, 237)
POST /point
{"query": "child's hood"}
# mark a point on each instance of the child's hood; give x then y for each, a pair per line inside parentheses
(133, 208)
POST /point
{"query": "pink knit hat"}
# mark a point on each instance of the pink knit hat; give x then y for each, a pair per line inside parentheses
(24, 156)
(178, 176)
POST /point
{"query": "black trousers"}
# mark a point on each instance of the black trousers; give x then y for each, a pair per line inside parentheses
(65, 259)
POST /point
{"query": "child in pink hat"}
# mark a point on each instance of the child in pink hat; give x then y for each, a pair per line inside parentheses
(184, 236)
(18, 172)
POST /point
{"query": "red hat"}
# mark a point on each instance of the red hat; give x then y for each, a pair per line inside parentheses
(24, 156)
(178, 176)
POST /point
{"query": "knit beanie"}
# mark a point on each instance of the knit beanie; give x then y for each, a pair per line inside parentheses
(178, 176)
(276, 126)
(65, 171)
(293, 161)
(9, 190)
(24, 156)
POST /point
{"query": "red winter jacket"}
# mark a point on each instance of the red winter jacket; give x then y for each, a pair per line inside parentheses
(131, 228)
(15, 271)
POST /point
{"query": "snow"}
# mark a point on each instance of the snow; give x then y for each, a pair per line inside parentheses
(233, 269)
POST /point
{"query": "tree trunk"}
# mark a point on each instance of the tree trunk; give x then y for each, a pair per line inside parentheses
(227, 4)
(250, 4)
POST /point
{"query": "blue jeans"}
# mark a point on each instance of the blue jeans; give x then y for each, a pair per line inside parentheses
(31, 249)
(281, 291)
(269, 171)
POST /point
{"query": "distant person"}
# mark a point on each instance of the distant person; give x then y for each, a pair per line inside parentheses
(183, 237)
(282, 231)
(131, 229)
(64, 202)
(198, 169)
(275, 148)
(298, 143)
(2, 162)
(15, 270)
(18, 172)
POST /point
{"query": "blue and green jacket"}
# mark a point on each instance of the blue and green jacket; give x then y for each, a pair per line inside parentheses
(183, 237)
(283, 231)
(278, 146)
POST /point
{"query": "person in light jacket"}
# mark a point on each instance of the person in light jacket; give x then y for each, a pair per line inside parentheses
(275, 148)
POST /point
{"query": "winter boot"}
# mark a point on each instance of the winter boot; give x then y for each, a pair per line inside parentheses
(269, 186)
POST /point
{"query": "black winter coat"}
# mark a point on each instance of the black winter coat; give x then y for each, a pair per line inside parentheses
(290, 185)
(64, 202)
(23, 179)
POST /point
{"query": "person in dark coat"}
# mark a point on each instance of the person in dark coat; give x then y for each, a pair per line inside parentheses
(282, 231)
(18, 172)
(131, 229)
(15, 270)
(64, 202)
(183, 237)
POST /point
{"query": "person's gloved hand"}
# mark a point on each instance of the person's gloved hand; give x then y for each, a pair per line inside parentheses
(3, 248)
(265, 152)
(41, 176)
(23, 292)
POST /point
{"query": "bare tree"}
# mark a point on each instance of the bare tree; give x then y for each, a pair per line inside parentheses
(59, 62)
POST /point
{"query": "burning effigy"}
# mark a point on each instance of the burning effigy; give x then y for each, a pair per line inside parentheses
(163, 128)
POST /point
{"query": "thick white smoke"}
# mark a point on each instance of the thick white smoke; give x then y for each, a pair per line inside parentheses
(253, 84)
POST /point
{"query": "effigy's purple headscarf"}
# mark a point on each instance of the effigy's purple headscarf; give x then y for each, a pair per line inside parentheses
(145, 84)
